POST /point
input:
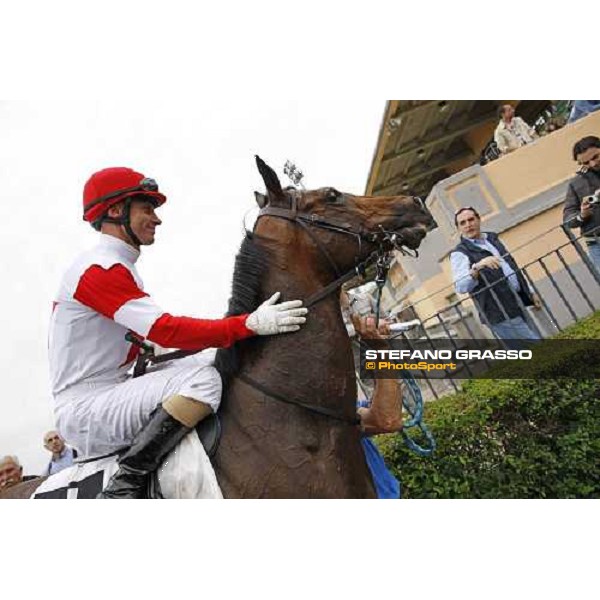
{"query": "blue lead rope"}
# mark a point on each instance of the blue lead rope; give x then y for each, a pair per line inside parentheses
(412, 400)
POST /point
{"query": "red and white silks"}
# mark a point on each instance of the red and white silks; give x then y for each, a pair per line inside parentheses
(98, 407)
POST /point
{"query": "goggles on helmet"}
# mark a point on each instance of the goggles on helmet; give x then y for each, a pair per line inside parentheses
(146, 185)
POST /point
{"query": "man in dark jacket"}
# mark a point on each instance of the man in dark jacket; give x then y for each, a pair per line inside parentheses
(578, 210)
(483, 268)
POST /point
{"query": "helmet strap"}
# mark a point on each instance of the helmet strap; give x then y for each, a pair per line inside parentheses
(124, 221)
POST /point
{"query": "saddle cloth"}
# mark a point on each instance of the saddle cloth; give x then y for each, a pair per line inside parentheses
(186, 473)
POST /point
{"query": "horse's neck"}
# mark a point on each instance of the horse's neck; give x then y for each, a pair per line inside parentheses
(275, 449)
(317, 360)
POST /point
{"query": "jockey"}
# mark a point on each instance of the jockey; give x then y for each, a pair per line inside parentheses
(99, 408)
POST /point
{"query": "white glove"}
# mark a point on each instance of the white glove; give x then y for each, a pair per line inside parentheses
(270, 318)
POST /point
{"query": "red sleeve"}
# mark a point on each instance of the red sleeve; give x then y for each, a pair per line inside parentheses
(106, 290)
(196, 334)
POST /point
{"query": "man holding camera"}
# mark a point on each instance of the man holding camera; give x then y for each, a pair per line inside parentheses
(583, 195)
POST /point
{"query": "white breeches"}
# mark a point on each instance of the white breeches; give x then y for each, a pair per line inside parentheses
(100, 418)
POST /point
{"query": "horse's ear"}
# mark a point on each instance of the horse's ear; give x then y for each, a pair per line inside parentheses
(270, 178)
(261, 199)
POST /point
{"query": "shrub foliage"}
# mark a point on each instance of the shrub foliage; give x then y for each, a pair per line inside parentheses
(509, 439)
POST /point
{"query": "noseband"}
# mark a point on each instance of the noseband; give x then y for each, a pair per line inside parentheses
(382, 238)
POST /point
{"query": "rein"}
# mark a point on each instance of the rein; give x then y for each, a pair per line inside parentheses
(325, 412)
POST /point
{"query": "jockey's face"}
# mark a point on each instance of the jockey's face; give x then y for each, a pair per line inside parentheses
(10, 473)
(53, 442)
(144, 221)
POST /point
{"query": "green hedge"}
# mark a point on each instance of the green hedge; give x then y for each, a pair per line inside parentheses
(509, 439)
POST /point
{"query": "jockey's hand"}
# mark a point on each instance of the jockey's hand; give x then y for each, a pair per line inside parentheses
(271, 318)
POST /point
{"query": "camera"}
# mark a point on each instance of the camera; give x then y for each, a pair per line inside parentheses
(594, 198)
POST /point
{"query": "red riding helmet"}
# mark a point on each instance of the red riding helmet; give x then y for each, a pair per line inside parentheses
(109, 186)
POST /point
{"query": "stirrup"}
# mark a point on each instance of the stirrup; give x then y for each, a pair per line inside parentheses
(209, 432)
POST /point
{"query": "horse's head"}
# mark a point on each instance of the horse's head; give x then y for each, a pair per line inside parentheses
(388, 222)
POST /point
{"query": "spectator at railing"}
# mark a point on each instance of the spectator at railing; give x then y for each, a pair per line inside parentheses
(11, 472)
(580, 209)
(512, 132)
(581, 108)
(62, 455)
(483, 268)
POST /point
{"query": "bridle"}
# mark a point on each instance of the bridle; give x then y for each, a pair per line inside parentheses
(386, 242)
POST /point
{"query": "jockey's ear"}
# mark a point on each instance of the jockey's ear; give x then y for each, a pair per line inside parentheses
(274, 190)
(261, 199)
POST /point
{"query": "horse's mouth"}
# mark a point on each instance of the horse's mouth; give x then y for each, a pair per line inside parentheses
(412, 237)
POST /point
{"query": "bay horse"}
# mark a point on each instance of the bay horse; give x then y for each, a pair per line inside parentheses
(289, 406)
(288, 414)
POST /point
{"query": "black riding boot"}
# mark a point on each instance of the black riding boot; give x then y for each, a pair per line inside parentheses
(149, 448)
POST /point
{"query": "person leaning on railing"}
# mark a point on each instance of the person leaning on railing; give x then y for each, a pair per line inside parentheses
(578, 210)
(512, 132)
(482, 267)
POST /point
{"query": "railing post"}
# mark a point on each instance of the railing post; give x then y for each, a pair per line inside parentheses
(582, 253)
(546, 306)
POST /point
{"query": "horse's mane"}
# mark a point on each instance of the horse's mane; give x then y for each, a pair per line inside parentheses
(250, 264)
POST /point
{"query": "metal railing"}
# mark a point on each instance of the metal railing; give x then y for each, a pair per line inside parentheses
(564, 279)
